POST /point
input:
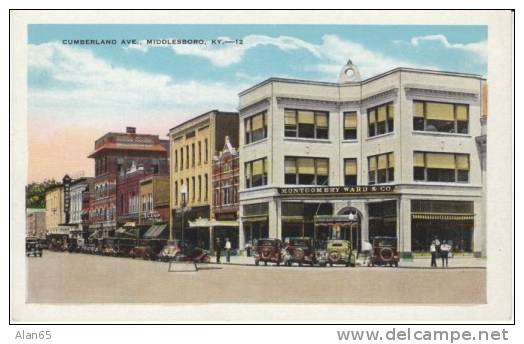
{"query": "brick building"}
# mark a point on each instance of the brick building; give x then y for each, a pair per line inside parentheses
(116, 155)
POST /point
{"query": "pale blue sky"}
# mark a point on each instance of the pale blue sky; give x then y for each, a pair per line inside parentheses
(78, 92)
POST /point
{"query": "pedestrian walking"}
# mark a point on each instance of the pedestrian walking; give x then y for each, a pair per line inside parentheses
(248, 249)
(366, 252)
(218, 249)
(444, 253)
(433, 251)
(228, 250)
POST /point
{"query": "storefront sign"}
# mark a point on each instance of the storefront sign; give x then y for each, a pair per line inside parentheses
(67, 197)
(339, 190)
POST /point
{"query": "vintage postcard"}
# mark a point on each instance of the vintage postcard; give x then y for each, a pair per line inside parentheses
(330, 161)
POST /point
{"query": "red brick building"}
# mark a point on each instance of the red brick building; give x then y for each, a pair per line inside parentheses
(225, 194)
(116, 156)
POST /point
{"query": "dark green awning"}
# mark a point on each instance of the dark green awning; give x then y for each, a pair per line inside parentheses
(155, 231)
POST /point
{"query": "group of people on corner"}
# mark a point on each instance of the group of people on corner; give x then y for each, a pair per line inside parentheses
(227, 249)
(442, 250)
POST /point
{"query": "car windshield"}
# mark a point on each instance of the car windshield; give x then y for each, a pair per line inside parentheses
(384, 242)
(337, 244)
(298, 242)
(265, 243)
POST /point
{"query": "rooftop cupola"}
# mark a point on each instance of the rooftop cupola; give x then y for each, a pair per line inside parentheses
(349, 73)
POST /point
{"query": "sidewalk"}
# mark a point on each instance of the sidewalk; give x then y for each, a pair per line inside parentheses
(418, 262)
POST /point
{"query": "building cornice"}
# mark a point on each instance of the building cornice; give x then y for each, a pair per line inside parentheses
(254, 107)
(414, 90)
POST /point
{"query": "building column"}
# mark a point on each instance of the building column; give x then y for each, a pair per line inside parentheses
(404, 226)
(273, 228)
(479, 234)
(364, 223)
(211, 240)
(241, 234)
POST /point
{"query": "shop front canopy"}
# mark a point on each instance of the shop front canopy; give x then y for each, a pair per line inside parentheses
(155, 231)
(201, 222)
(129, 232)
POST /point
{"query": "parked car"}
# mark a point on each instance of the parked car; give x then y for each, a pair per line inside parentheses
(269, 250)
(33, 247)
(300, 251)
(336, 252)
(143, 252)
(385, 251)
(169, 252)
(193, 254)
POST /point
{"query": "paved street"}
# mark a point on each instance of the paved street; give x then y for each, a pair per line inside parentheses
(80, 278)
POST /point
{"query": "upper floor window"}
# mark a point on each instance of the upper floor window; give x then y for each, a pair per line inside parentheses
(350, 125)
(255, 127)
(350, 172)
(306, 171)
(381, 168)
(441, 117)
(441, 167)
(306, 124)
(256, 173)
(381, 119)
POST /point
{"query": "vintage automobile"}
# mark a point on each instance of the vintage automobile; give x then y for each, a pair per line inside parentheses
(269, 251)
(143, 252)
(336, 252)
(169, 252)
(33, 247)
(193, 254)
(384, 251)
(300, 251)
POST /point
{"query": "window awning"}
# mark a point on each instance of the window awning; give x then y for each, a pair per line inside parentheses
(126, 232)
(94, 235)
(442, 216)
(202, 222)
(155, 231)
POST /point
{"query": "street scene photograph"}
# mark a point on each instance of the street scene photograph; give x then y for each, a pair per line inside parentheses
(256, 164)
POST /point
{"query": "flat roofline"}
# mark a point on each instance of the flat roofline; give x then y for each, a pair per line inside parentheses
(378, 76)
(195, 119)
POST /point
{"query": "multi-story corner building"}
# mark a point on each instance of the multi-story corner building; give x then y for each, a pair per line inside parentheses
(192, 147)
(80, 190)
(35, 223)
(225, 194)
(154, 200)
(114, 154)
(55, 214)
(393, 155)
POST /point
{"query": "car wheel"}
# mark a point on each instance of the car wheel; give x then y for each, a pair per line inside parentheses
(257, 262)
(265, 263)
(300, 264)
(331, 264)
(278, 263)
(396, 264)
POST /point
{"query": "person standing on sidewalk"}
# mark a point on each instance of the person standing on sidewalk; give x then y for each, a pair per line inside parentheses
(228, 250)
(433, 251)
(218, 249)
(444, 252)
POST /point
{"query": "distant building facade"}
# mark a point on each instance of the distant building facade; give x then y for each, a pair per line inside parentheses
(154, 200)
(80, 195)
(54, 204)
(35, 223)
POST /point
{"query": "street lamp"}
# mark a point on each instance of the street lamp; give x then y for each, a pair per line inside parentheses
(183, 197)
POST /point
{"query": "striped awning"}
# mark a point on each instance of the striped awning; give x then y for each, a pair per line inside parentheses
(154, 231)
(442, 216)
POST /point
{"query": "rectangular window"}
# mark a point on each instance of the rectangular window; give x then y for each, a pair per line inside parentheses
(350, 172)
(306, 171)
(199, 188)
(206, 151)
(441, 167)
(255, 127)
(176, 160)
(187, 156)
(181, 158)
(381, 168)
(350, 125)
(256, 173)
(381, 119)
(176, 193)
(193, 193)
(306, 124)
(440, 117)
(205, 187)
(199, 152)
(192, 155)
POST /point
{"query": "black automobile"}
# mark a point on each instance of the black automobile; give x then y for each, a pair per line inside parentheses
(385, 251)
(33, 247)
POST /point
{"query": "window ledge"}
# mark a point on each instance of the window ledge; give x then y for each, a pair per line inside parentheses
(350, 141)
(254, 143)
(380, 136)
(439, 133)
(304, 139)
(423, 182)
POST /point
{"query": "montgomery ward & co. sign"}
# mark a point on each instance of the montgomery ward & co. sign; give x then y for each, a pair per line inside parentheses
(323, 190)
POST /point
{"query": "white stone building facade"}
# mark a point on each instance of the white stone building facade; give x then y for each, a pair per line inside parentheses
(411, 130)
